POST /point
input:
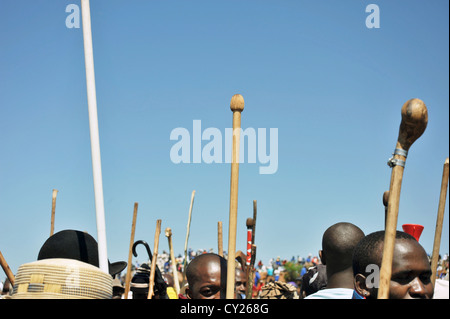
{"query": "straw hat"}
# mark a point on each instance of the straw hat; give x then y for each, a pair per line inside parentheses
(60, 278)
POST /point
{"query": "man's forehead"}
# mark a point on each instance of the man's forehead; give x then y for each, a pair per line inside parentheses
(210, 266)
(410, 254)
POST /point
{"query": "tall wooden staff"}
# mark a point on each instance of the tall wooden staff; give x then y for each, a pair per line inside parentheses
(95, 140)
(188, 227)
(413, 124)
(237, 106)
(176, 281)
(52, 223)
(128, 276)
(439, 222)
(154, 259)
(6, 269)
(220, 238)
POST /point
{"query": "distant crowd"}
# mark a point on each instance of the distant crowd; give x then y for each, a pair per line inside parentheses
(289, 274)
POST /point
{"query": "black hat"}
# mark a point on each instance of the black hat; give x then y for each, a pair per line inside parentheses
(78, 245)
(315, 279)
(140, 282)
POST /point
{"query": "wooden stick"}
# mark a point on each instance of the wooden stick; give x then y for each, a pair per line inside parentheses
(176, 281)
(249, 225)
(254, 222)
(220, 238)
(94, 134)
(251, 274)
(6, 269)
(251, 268)
(52, 223)
(439, 222)
(237, 106)
(154, 259)
(188, 227)
(248, 267)
(128, 276)
(413, 124)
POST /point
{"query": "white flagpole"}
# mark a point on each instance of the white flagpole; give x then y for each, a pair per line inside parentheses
(95, 142)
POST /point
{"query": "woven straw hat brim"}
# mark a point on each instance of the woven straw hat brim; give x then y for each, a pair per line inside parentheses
(60, 278)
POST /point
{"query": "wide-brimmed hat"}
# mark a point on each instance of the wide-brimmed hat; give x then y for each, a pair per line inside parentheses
(78, 245)
(61, 278)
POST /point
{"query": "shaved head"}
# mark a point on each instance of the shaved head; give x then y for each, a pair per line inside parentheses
(206, 276)
(338, 243)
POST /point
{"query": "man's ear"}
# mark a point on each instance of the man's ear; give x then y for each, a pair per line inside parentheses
(322, 257)
(361, 287)
(188, 293)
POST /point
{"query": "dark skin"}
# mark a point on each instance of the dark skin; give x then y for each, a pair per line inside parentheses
(241, 281)
(337, 243)
(209, 281)
(6, 287)
(337, 279)
(411, 273)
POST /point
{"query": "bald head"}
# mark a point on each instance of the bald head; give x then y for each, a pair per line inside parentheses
(338, 243)
(206, 276)
(241, 281)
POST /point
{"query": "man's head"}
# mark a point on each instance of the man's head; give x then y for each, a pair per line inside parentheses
(338, 243)
(206, 275)
(6, 287)
(241, 281)
(411, 271)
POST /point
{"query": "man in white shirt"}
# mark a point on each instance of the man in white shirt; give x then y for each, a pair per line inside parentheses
(338, 243)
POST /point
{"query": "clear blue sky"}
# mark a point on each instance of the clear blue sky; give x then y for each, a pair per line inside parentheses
(312, 69)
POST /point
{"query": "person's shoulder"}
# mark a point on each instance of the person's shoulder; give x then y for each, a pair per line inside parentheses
(333, 293)
(441, 289)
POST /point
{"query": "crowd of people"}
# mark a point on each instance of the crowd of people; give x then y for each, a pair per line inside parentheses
(344, 269)
(339, 272)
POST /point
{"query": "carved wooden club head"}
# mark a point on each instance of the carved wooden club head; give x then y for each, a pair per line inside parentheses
(413, 124)
(237, 103)
(385, 198)
(168, 232)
